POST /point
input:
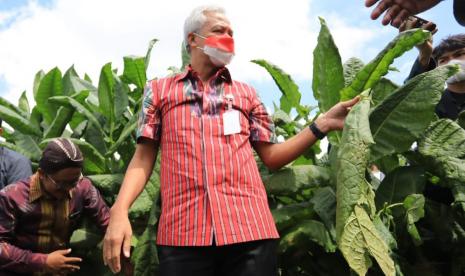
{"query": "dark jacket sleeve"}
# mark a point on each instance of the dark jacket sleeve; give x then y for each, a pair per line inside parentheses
(418, 69)
(13, 258)
(94, 206)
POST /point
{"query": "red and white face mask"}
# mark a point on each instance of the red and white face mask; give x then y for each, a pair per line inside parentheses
(220, 48)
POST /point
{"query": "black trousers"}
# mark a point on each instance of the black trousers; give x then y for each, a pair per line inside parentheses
(257, 258)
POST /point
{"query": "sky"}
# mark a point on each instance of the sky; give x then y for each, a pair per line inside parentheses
(41, 34)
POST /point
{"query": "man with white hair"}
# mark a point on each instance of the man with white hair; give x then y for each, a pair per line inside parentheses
(215, 218)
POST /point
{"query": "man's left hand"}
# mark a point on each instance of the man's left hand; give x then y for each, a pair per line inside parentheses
(334, 118)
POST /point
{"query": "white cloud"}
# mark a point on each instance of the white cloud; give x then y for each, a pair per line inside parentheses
(6, 16)
(90, 33)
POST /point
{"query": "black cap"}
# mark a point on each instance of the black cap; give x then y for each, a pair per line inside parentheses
(459, 11)
(60, 153)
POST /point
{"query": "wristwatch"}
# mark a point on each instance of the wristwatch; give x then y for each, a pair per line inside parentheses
(316, 131)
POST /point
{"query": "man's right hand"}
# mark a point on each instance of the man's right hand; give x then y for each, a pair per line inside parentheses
(58, 262)
(117, 238)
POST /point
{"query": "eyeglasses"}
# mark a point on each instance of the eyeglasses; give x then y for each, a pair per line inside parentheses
(65, 185)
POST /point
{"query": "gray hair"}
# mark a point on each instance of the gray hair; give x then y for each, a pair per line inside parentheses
(196, 19)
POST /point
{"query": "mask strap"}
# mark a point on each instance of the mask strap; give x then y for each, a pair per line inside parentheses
(201, 36)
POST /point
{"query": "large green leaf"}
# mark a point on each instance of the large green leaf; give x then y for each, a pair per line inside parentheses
(64, 115)
(379, 66)
(108, 184)
(351, 164)
(388, 163)
(68, 86)
(384, 233)
(121, 101)
(328, 77)
(141, 207)
(382, 90)
(307, 230)
(414, 210)
(351, 67)
(290, 215)
(80, 108)
(78, 85)
(58, 124)
(443, 145)
(292, 179)
(37, 79)
(18, 122)
(453, 170)
(134, 71)
(443, 138)
(324, 204)
(291, 95)
(393, 126)
(94, 162)
(23, 104)
(36, 118)
(27, 145)
(360, 239)
(145, 257)
(127, 132)
(400, 183)
(106, 94)
(74, 85)
(355, 232)
(50, 85)
(19, 111)
(94, 136)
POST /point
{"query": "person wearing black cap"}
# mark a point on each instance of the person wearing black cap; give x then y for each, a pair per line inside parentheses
(397, 11)
(39, 214)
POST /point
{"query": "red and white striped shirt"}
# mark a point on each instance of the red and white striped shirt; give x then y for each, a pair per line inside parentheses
(210, 183)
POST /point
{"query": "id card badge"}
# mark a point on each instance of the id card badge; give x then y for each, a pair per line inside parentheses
(231, 123)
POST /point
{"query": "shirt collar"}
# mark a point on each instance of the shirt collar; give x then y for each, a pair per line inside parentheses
(222, 74)
(35, 190)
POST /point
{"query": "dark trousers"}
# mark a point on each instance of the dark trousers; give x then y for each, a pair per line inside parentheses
(257, 258)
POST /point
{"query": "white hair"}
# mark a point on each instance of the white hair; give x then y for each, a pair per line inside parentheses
(196, 19)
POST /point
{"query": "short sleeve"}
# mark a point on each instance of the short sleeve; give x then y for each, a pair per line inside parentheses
(149, 123)
(262, 128)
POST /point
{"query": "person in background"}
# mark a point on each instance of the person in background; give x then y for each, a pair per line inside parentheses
(397, 11)
(13, 166)
(215, 218)
(450, 50)
(39, 214)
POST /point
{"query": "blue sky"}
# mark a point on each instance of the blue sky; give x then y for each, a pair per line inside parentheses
(42, 34)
